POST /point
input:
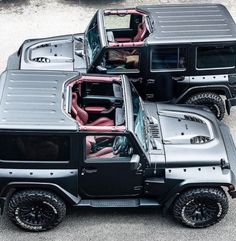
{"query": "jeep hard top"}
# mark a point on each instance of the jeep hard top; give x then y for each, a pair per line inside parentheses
(90, 140)
(172, 53)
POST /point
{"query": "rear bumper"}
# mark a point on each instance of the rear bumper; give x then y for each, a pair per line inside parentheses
(229, 103)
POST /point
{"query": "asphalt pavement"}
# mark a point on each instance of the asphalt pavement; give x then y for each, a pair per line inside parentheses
(24, 19)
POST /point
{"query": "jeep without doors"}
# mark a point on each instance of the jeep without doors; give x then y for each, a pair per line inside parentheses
(171, 53)
(90, 141)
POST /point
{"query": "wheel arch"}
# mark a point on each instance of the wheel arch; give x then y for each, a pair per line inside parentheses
(176, 191)
(218, 89)
(13, 187)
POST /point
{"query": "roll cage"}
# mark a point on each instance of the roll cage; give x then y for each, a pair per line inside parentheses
(140, 26)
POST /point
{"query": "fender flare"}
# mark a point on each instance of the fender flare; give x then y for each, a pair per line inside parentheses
(196, 89)
(177, 190)
(65, 195)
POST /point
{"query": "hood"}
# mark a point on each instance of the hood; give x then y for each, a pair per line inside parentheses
(190, 136)
(57, 53)
(185, 128)
(181, 125)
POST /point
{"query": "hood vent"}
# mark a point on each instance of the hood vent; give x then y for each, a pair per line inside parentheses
(43, 46)
(200, 139)
(41, 60)
(192, 118)
(154, 130)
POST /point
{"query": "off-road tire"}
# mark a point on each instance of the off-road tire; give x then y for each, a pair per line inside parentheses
(211, 203)
(213, 101)
(25, 207)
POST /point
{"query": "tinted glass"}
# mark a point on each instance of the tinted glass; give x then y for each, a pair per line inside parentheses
(122, 59)
(34, 148)
(168, 59)
(215, 57)
(108, 146)
(93, 40)
(139, 124)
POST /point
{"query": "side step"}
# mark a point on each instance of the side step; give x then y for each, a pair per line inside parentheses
(116, 203)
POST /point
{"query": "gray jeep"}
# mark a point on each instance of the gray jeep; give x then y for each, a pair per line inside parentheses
(171, 53)
(90, 141)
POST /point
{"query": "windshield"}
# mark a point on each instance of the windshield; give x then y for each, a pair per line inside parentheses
(139, 126)
(93, 43)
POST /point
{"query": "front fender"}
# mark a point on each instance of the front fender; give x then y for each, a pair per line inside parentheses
(192, 177)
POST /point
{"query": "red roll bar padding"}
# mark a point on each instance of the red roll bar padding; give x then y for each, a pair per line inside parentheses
(96, 79)
(123, 11)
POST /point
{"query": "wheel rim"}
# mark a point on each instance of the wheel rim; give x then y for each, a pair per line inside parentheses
(199, 211)
(37, 214)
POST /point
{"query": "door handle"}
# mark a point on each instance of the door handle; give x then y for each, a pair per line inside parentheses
(178, 78)
(88, 171)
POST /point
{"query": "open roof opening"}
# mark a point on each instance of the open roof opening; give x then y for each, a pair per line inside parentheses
(125, 27)
(97, 103)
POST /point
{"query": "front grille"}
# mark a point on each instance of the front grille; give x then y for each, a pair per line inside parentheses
(154, 130)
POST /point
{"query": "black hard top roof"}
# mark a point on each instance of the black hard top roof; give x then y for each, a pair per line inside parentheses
(33, 100)
(190, 23)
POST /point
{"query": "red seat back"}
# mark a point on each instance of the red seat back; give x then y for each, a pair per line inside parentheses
(80, 115)
(142, 30)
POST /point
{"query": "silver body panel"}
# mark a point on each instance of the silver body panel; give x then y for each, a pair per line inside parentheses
(64, 53)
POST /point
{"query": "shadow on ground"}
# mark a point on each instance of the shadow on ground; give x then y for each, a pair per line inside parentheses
(84, 217)
(13, 5)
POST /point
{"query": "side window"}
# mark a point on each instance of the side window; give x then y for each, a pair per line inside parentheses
(34, 148)
(168, 59)
(117, 21)
(108, 147)
(122, 60)
(213, 57)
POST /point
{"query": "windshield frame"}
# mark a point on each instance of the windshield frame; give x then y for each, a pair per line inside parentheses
(98, 17)
(129, 111)
(140, 114)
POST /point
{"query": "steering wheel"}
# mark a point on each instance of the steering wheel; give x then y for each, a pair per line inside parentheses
(121, 146)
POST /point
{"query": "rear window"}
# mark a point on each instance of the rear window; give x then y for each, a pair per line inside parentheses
(168, 59)
(34, 148)
(213, 57)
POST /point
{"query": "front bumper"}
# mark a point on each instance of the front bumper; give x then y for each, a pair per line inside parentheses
(232, 193)
(231, 154)
(229, 103)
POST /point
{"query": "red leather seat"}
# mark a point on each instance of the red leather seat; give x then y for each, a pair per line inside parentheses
(106, 152)
(142, 30)
(82, 116)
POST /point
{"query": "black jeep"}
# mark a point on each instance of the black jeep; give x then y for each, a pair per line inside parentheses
(82, 140)
(172, 53)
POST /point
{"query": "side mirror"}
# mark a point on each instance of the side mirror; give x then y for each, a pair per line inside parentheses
(135, 162)
(101, 69)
